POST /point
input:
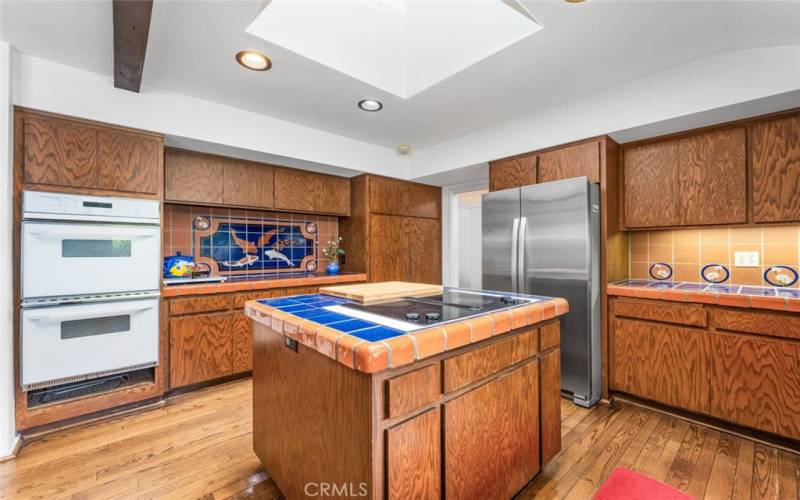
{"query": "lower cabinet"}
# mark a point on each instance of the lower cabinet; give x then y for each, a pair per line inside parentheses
(491, 437)
(413, 458)
(200, 348)
(241, 343)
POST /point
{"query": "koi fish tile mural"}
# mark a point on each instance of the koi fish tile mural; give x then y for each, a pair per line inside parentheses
(246, 242)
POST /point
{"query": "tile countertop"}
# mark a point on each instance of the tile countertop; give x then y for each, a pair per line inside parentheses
(371, 348)
(779, 299)
(264, 283)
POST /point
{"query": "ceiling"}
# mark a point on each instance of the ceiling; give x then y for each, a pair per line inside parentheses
(582, 49)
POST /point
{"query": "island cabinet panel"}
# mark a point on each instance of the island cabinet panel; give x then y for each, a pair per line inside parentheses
(755, 382)
(412, 390)
(650, 182)
(661, 362)
(512, 172)
(396, 197)
(191, 177)
(775, 158)
(550, 377)
(300, 191)
(248, 185)
(580, 160)
(200, 348)
(491, 437)
(61, 152)
(413, 461)
(129, 162)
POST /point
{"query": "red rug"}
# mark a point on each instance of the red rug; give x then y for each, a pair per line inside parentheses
(624, 484)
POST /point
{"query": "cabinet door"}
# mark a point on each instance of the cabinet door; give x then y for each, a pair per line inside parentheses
(776, 170)
(491, 437)
(650, 183)
(755, 382)
(199, 348)
(551, 404)
(60, 152)
(247, 185)
(423, 246)
(511, 173)
(301, 191)
(193, 178)
(241, 343)
(388, 247)
(573, 161)
(663, 363)
(712, 179)
(396, 197)
(129, 161)
(413, 458)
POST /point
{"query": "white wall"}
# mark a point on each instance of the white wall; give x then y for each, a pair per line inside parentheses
(713, 82)
(8, 436)
(49, 86)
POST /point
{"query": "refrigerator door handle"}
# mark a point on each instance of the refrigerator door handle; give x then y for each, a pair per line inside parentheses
(520, 274)
(514, 253)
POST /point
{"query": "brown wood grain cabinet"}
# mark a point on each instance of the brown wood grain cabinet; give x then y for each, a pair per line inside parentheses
(200, 348)
(396, 197)
(301, 191)
(580, 160)
(413, 458)
(405, 249)
(192, 177)
(741, 366)
(76, 153)
(650, 176)
(775, 160)
(512, 172)
(248, 185)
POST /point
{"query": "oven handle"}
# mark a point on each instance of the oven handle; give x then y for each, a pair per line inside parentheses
(44, 316)
(131, 234)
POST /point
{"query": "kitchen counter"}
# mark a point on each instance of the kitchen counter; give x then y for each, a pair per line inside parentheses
(261, 283)
(778, 299)
(470, 406)
(390, 348)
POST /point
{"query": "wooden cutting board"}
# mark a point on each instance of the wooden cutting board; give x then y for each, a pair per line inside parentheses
(377, 293)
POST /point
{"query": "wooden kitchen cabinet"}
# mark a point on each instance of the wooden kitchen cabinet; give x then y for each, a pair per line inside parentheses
(413, 458)
(512, 172)
(580, 160)
(301, 191)
(650, 177)
(192, 177)
(424, 250)
(241, 343)
(246, 184)
(775, 158)
(396, 197)
(405, 249)
(75, 153)
(499, 420)
(200, 348)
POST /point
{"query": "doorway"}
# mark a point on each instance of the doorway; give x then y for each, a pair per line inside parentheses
(462, 235)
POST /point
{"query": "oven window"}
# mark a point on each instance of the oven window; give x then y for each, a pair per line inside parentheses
(95, 248)
(95, 326)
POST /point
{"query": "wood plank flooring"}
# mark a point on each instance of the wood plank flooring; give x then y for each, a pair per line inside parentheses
(199, 446)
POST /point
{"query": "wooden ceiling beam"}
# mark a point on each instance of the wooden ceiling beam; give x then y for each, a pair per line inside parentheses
(131, 27)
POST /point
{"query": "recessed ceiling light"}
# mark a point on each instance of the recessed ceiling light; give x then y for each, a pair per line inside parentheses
(256, 61)
(575, 1)
(370, 105)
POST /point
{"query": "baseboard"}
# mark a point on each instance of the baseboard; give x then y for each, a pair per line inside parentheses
(14, 448)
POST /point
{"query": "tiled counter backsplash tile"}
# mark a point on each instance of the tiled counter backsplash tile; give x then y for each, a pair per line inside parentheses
(247, 242)
(688, 252)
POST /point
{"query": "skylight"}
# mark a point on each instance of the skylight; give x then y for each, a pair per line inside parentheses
(400, 46)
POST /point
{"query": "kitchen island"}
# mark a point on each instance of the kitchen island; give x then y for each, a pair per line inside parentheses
(347, 404)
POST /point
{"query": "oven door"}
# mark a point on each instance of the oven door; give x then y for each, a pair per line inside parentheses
(67, 343)
(67, 259)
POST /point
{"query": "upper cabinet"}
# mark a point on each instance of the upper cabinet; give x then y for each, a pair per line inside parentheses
(512, 172)
(695, 180)
(74, 153)
(302, 191)
(776, 170)
(396, 197)
(580, 160)
(192, 177)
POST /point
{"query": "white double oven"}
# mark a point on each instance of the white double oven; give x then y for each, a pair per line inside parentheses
(90, 287)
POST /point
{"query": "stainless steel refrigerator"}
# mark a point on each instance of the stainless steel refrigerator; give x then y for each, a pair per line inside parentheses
(543, 239)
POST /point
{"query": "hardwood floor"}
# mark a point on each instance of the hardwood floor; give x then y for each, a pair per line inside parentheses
(199, 446)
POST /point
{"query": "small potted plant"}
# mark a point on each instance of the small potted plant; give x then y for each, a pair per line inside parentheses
(332, 252)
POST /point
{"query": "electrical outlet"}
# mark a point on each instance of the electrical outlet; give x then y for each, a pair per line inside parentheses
(745, 259)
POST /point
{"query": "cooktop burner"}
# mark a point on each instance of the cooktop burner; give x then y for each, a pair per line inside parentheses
(450, 306)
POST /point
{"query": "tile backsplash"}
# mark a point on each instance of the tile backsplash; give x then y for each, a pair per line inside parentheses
(708, 255)
(237, 242)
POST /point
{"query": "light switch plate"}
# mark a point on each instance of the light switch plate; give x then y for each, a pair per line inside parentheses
(746, 259)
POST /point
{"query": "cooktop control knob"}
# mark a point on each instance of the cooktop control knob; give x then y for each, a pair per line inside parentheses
(508, 300)
(412, 316)
(433, 316)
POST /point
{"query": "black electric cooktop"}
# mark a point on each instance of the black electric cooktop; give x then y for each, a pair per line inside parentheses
(451, 305)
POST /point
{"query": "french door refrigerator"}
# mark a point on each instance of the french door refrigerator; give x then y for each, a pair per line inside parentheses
(543, 239)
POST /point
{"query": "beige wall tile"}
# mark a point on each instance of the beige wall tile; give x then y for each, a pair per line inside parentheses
(687, 272)
(715, 254)
(661, 237)
(715, 236)
(784, 254)
(639, 237)
(746, 276)
(781, 234)
(686, 236)
(639, 253)
(639, 270)
(687, 254)
(660, 253)
(740, 235)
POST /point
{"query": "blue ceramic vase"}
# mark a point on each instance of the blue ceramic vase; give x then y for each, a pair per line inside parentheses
(332, 268)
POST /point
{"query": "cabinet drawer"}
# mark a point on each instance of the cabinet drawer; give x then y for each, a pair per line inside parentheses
(692, 315)
(469, 367)
(549, 336)
(412, 390)
(191, 305)
(761, 323)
